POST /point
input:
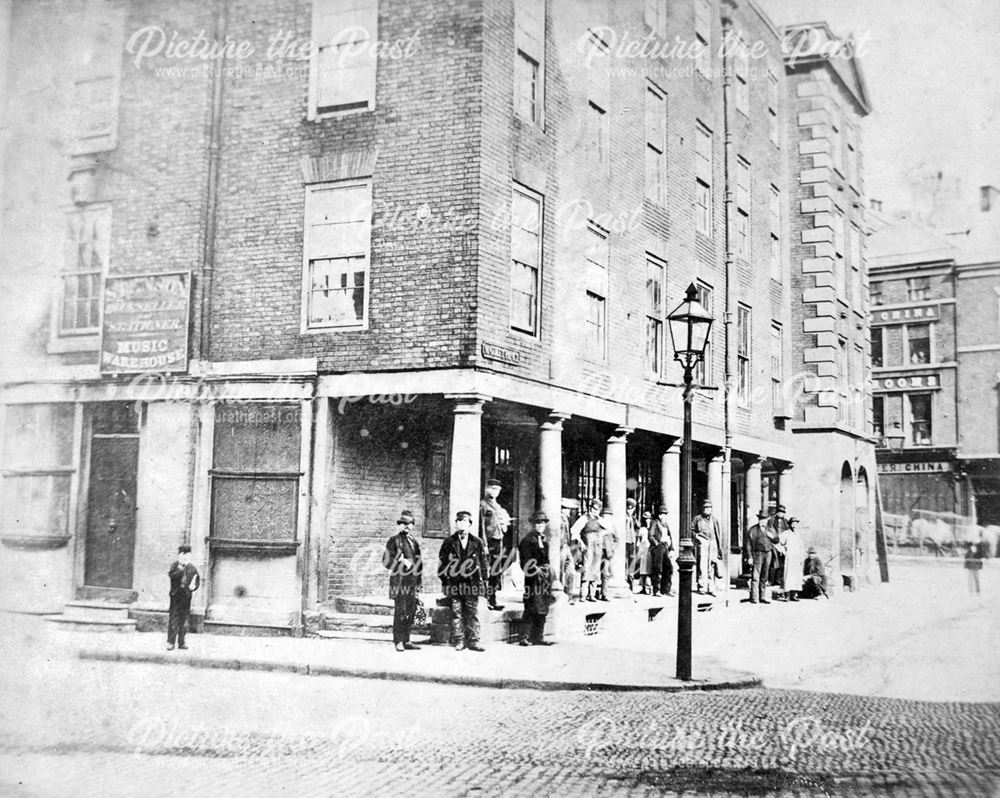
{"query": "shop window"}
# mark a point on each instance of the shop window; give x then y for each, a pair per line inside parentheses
(38, 466)
(918, 343)
(255, 474)
(343, 64)
(920, 419)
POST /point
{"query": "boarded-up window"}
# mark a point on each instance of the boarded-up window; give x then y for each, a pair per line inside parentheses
(255, 475)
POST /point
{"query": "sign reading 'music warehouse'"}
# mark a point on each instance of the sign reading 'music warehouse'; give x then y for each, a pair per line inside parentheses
(145, 323)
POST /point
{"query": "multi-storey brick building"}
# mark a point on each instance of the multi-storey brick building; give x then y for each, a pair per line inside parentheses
(934, 296)
(437, 248)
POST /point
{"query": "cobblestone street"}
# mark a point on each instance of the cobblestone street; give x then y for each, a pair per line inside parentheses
(82, 728)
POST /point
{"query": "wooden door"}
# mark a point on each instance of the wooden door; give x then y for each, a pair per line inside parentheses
(111, 497)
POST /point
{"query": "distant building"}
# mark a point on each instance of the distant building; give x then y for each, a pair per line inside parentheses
(935, 296)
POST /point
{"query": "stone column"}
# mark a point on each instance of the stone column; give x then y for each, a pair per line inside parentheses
(550, 487)
(714, 489)
(785, 494)
(752, 486)
(670, 484)
(464, 488)
(615, 475)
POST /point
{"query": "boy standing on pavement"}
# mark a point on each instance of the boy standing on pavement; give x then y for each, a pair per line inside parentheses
(533, 553)
(184, 580)
(463, 572)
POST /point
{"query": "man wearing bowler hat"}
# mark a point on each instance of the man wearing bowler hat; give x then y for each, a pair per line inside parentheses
(760, 541)
(533, 554)
(494, 521)
(402, 558)
(463, 572)
(184, 580)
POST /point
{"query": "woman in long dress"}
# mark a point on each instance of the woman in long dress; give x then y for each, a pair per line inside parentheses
(791, 542)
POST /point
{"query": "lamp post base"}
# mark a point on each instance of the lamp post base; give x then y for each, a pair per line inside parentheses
(685, 566)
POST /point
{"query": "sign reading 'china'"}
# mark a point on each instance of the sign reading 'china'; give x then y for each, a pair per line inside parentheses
(145, 324)
(918, 313)
(927, 467)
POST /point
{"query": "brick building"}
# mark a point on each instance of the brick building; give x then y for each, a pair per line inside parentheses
(298, 290)
(934, 293)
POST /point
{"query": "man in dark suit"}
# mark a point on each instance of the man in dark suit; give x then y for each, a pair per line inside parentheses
(402, 558)
(760, 541)
(184, 580)
(533, 555)
(661, 544)
(464, 573)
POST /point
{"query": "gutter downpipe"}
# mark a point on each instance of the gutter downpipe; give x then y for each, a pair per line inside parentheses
(212, 189)
(727, 451)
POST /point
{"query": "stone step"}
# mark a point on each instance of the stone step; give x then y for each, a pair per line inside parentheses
(97, 610)
(364, 624)
(78, 624)
(363, 605)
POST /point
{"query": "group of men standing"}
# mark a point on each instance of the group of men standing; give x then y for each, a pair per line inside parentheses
(470, 566)
(773, 552)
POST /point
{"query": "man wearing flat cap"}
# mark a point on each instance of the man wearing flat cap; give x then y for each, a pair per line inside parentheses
(533, 555)
(402, 558)
(631, 525)
(661, 545)
(494, 521)
(463, 572)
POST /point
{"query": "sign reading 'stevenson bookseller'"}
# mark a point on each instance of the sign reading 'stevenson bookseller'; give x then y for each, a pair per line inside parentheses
(145, 326)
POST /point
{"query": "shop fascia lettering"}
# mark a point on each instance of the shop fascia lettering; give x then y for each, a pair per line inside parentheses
(924, 313)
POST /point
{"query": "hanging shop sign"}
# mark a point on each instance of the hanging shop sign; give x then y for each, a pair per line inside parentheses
(145, 323)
